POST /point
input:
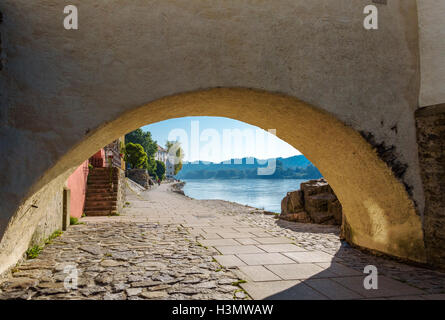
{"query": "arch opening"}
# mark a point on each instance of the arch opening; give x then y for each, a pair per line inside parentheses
(379, 215)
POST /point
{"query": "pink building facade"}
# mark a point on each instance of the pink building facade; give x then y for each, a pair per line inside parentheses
(77, 183)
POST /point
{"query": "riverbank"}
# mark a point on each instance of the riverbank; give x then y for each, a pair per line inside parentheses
(265, 194)
(178, 187)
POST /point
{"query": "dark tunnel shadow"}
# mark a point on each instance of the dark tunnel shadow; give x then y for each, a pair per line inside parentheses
(343, 278)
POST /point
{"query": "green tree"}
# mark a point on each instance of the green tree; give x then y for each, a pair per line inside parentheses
(150, 165)
(160, 169)
(175, 151)
(144, 139)
(135, 155)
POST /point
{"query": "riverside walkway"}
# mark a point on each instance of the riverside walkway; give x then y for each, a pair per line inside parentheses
(167, 246)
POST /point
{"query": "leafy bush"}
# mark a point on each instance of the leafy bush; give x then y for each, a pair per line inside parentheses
(33, 252)
(135, 156)
(160, 169)
(144, 139)
(150, 165)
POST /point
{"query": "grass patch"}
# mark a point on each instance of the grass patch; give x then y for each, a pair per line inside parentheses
(54, 235)
(237, 283)
(74, 221)
(239, 290)
(33, 252)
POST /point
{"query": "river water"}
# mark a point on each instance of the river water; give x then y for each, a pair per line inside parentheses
(259, 193)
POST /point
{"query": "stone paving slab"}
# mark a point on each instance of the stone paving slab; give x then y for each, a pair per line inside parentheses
(238, 249)
(339, 269)
(229, 260)
(210, 236)
(286, 247)
(250, 230)
(219, 242)
(281, 290)
(261, 234)
(258, 273)
(246, 241)
(300, 271)
(273, 240)
(216, 230)
(234, 235)
(264, 258)
(310, 256)
(332, 289)
(386, 287)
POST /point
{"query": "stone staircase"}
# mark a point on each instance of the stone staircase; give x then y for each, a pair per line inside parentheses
(102, 192)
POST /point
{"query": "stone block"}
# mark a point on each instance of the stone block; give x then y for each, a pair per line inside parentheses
(320, 216)
(318, 202)
(335, 209)
(293, 202)
(312, 187)
(315, 202)
(301, 216)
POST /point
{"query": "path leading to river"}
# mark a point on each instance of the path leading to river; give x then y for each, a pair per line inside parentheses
(167, 246)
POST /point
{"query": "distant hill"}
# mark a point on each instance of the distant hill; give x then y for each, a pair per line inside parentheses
(296, 167)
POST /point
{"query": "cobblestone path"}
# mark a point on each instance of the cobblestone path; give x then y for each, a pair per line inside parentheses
(167, 246)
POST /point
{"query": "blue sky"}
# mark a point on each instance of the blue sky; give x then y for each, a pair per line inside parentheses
(217, 139)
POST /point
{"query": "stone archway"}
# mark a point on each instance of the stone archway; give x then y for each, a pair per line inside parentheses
(379, 212)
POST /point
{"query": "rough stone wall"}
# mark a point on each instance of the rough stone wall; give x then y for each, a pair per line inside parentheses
(36, 220)
(121, 190)
(431, 139)
(315, 202)
(431, 15)
(140, 176)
